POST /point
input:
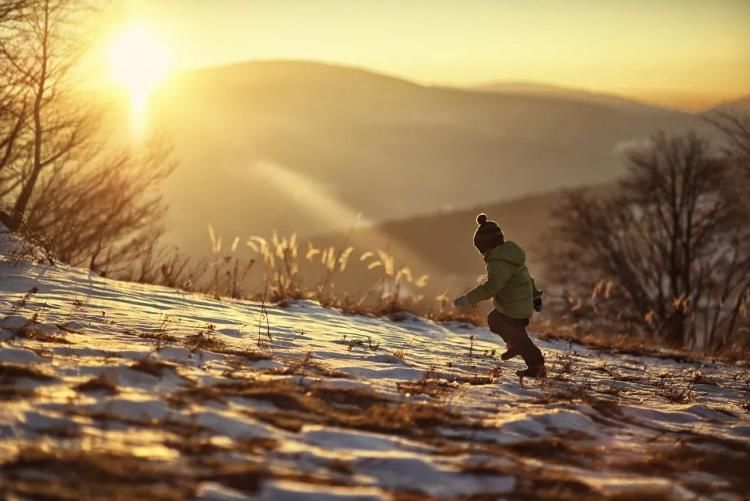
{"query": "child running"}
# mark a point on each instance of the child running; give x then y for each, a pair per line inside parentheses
(512, 290)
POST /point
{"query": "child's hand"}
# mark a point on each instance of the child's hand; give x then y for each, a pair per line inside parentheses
(461, 302)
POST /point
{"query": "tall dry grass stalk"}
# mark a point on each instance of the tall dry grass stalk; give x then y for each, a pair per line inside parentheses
(280, 268)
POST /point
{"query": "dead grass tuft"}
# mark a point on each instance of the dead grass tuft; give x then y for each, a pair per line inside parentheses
(101, 383)
(364, 342)
(566, 360)
(185, 397)
(158, 336)
(727, 463)
(557, 395)
(249, 355)
(10, 392)
(204, 340)
(568, 448)
(72, 474)
(299, 405)
(433, 388)
(629, 344)
(306, 366)
(679, 394)
(244, 477)
(152, 367)
(33, 332)
(698, 377)
(9, 373)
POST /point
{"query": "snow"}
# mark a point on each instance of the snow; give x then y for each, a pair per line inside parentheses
(159, 392)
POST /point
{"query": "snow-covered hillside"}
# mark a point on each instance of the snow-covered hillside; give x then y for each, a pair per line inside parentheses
(118, 390)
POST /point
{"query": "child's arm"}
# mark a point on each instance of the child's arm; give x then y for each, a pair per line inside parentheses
(498, 274)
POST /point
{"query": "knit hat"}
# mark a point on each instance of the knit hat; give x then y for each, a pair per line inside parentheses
(488, 235)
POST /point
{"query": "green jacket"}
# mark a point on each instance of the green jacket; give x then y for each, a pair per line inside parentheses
(508, 282)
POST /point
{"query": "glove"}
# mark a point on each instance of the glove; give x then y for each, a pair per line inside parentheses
(538, 300)
(461, 302)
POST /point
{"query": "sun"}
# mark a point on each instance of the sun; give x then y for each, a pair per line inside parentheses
(138, 61)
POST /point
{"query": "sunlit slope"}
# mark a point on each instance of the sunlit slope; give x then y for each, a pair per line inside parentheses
(305, 147)
(115, 390)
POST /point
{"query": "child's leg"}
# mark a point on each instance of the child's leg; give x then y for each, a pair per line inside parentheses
(496, 325)
(513, 331)
(526, 347)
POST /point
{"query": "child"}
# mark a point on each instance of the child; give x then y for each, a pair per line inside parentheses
(512, 290)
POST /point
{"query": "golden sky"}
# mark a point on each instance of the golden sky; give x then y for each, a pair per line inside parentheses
(688, 53)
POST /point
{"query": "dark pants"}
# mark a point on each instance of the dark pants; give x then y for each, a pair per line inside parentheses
(513, 332)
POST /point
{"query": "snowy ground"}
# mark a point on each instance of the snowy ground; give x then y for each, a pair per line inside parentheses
(117, 390)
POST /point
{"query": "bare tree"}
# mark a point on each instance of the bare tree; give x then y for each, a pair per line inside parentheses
(62, 181)
(40, 52)
(12, 9)
(735, 128)
(103, 214)
(12, 96)
(672, 240)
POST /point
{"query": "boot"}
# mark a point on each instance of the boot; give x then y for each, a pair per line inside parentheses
(507, 355)
(535, 371)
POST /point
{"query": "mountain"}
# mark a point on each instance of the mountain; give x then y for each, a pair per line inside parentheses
(620, 103)
(440, 244)
(305, 147)
(740, 105)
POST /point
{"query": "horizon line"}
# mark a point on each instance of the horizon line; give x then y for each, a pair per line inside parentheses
(639, 97)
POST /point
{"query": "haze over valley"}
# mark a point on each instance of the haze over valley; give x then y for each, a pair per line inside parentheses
(305, 147)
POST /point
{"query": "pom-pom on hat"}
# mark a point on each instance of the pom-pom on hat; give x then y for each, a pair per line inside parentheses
(488, 234)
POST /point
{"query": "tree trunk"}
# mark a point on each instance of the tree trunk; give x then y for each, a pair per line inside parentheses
(16, 218)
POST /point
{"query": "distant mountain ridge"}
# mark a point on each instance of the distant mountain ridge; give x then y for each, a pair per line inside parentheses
(739, 105)
(304, 147)
(622, 103)
(440, 244)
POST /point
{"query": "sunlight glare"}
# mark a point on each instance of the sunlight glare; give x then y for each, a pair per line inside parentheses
(138, 61)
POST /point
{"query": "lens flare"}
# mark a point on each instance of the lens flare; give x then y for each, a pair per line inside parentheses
(138, 61)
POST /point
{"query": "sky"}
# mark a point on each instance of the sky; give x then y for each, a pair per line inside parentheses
(686, 53)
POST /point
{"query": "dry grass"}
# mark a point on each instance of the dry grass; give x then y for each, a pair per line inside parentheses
(160, 337)
(566, 361)
(195, 393)
(21, 303)
(9, 373)
(280, 268)
(34, 332)
(631, 344)
(100, 383)
(152, 367)
(453, 315)
(9, 392)
(299, 405)
(73, 475)
(284, 268)
(204, 339)
(249, 355)
(364, 342)
(308, 366)
(688, 455)
(430, 385)
(576, 393)
(679, 394)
